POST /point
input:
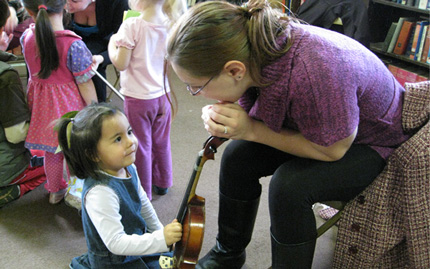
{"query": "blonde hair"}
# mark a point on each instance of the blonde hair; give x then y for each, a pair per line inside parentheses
(215, 32)
(172, 8)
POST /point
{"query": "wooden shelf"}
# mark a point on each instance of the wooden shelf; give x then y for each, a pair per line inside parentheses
(405, 7)
(382, 13)
(377, 48)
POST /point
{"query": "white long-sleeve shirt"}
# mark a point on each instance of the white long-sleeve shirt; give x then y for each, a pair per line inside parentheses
(102, 205)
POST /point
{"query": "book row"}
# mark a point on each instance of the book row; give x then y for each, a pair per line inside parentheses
(409, 37)
(421, 4)
(404, 75)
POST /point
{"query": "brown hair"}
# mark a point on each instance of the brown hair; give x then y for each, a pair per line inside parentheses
(4, 12)
(45, 36)
(215, 32)
(80, 145)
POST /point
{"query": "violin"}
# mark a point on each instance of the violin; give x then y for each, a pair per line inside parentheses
(191, 213)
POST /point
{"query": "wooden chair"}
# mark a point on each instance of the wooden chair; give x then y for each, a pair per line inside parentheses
(333, 220)
(115, 84)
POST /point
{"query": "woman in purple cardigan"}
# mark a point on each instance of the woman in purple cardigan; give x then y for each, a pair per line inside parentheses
(316, 111)
(96, 21)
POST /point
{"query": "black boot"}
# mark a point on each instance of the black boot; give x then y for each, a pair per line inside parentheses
(235, 225)
(292, 256)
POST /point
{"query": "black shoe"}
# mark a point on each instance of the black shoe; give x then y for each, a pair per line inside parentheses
(219, 258)
(8, 194)
(160, 191)
(36, 161)
(236, 220)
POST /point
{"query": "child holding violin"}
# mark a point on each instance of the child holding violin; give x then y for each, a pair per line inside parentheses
(121, 227)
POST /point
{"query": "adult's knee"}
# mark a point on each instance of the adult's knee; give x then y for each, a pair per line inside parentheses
(288, 192)
(235, 156)
(238, 178)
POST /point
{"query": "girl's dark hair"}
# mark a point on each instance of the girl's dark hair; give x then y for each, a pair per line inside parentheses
(4, 12)
(45, 36)
(212, 33)
(85, 131)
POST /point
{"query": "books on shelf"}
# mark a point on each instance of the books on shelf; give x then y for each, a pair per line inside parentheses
(403, 39)
(415, 39)
(422, 32)
(410, 42)
(412, 39)
(397, 32)
(423, 4)
(422, 39)
(426, 48)
(428, 58)
(404, 75)
(389, 36)
(410, 2)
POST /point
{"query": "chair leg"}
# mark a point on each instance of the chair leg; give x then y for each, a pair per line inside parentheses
(115, 85)
(329, 223)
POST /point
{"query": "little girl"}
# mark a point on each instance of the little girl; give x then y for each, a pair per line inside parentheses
(121, 227)
(60, 73)
(138, 51)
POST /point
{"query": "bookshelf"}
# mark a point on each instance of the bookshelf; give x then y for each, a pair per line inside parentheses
(382, 13)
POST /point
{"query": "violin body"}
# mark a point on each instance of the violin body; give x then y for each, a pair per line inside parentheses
(191, 213)
(188, 249)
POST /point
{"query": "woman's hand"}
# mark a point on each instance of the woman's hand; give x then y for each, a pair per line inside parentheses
(172, 232)
(228, 120)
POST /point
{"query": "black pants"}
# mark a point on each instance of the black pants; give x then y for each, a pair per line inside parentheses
(296, 183)
(99, 46)
(99, 84)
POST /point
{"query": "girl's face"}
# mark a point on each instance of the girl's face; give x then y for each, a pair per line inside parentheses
(223, 87)
(77, 5)
(117, 146)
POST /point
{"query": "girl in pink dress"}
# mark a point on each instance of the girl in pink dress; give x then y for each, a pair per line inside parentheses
(60, 74)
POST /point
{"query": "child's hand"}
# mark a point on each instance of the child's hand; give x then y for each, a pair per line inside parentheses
(5, 40)
(172, 232)
(97, 60)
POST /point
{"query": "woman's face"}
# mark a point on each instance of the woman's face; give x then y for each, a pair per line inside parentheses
(74, 6)
(221, 87)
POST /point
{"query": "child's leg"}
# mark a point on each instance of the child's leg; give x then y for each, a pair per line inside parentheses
(28, 180)
(139, 114)
(31, 178)
(161, 149)
(54, 172)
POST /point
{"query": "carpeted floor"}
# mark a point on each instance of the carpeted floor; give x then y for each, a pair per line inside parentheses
(35, 234)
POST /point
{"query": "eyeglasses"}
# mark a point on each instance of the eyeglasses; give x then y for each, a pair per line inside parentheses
(192, 92)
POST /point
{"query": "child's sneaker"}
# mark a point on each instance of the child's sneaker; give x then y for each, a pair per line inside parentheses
(166, 262)
(8, 194)
(73, 201)
(161, 191)
(56, 197)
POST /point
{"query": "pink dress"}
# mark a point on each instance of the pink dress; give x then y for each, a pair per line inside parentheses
(51, 98)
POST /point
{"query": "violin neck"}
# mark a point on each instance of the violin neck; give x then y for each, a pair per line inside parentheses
(191, 188)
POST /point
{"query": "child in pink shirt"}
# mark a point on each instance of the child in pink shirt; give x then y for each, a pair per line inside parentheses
(138, 50)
